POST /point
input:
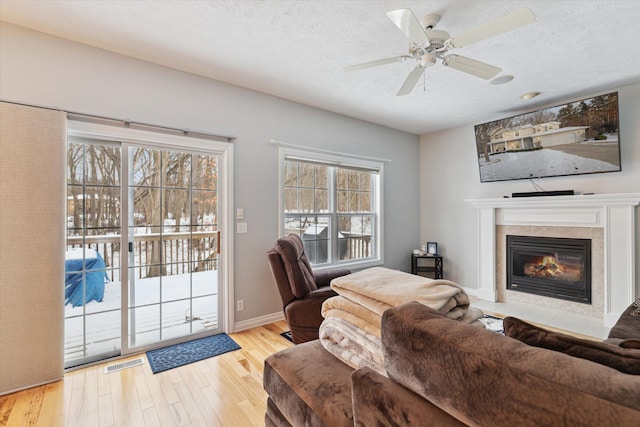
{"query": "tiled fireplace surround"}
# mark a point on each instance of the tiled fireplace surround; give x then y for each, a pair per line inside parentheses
(607, 219)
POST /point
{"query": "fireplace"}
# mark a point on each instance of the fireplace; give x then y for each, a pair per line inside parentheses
(607, 219)
(552, 267)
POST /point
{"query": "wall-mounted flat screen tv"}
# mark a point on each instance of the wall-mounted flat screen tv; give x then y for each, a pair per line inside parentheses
(571, 139)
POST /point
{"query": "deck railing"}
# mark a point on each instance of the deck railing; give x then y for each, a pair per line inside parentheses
(156, 254)
(351, 245)
(170, 253)
(358, 246)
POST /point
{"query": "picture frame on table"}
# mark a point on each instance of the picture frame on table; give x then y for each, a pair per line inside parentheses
(432, 248)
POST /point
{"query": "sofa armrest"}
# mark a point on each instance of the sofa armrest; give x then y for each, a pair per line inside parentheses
(324, 278)
(307, 312)
(447, 361)
(323, 292)
(628, 324)
(379, 401)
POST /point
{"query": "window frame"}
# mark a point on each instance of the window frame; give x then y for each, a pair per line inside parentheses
(337, 160)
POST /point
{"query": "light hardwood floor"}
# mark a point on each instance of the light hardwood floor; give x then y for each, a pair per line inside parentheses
(220, 391)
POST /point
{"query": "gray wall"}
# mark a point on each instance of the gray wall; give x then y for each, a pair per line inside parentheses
(48, 71)
(449, 174)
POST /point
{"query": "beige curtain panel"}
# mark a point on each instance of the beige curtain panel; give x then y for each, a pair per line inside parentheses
(32, 245)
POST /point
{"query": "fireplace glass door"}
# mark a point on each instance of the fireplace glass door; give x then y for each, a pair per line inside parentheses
(553, 267)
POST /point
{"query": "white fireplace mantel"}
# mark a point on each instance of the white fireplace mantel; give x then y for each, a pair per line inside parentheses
(615, 213)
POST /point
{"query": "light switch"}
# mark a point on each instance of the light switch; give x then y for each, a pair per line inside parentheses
(239, 213)
(241, 227)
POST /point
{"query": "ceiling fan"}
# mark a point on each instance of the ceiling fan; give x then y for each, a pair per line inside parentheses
(428, 45)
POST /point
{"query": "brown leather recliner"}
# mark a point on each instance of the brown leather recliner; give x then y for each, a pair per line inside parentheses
(302, 291)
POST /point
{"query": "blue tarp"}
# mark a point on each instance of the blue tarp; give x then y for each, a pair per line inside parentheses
(95, 274)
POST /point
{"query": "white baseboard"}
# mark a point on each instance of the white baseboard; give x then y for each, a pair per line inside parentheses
(471, 291)
(258, 321)
(484, 294)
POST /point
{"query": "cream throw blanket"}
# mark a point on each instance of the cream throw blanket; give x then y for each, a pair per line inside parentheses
(352, 312)
(351, 329)
(379, 289)
(352, 345)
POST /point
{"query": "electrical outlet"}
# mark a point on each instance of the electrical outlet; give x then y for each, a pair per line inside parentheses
(240, 304)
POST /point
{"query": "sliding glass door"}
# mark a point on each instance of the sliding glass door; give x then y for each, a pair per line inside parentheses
(92, 258)
(173, 242)
(144, 263)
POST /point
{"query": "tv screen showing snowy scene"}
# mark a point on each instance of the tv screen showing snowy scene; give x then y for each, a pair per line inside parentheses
(572, 139)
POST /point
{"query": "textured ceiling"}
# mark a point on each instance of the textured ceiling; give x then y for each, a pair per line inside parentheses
(297, 50)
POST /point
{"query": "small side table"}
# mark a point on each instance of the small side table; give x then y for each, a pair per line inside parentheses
(433, 269)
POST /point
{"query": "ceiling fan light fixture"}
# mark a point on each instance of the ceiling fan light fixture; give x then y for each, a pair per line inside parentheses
(529, 95)
(428, 59)
(501, 80)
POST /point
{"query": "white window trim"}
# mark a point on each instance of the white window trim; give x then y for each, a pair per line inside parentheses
(338, 160)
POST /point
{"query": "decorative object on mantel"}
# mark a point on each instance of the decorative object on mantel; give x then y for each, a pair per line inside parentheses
(544, 193)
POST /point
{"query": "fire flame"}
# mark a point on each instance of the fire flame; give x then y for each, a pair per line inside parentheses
(548, 267)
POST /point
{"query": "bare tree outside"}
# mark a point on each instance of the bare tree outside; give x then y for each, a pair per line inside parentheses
(175, 193)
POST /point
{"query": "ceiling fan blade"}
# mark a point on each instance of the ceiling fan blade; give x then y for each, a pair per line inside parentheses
(471, 66)
(517, 19)
(376, 63)
(411, 80)
(407, 22)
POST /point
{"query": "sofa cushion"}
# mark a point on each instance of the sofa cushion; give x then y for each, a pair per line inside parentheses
(628, 324)
(630, 343)
(309, 386)
(273, 417)
(622, 359)
(624, 343)
(379, 401)
(484, 378)
(296, 264)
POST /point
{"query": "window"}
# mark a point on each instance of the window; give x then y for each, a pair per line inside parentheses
(334, 204)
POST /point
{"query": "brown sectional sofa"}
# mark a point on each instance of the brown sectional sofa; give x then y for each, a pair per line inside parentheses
(446, 373)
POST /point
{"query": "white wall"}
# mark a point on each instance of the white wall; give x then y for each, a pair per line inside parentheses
(48, 71)
(449, 174)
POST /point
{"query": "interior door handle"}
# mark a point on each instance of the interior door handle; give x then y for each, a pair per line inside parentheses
(131, 247)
